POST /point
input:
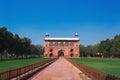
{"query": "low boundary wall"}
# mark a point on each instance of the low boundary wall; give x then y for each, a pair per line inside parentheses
(93, 73)
(21, 72)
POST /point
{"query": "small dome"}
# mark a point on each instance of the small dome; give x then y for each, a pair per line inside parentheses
(46, 35)
(76, 34)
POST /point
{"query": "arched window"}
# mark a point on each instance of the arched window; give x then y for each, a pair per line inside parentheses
(71, 50)
(51, 50)
(51, 44)
(56, 43)
(61, 44)
(66, 44)
(45, 55)
(71, 55)
(71, 44)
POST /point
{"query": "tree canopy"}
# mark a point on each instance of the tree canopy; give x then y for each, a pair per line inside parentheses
(106, 48)
(12, 44)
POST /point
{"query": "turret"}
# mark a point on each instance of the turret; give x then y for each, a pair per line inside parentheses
(46, 35)
(76, 34)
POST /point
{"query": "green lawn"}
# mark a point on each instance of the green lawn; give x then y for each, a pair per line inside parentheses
(109, 66)
(8, 64)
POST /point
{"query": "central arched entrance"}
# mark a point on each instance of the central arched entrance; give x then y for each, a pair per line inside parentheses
(60, 53)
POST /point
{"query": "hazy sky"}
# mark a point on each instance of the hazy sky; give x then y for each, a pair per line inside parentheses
(94, 20)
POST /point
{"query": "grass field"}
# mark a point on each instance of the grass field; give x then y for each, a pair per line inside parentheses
(8, 64)
(109, 66)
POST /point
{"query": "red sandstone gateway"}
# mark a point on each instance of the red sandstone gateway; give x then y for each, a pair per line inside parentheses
(56, 47)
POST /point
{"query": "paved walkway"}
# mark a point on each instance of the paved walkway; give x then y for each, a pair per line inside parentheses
(59, 70)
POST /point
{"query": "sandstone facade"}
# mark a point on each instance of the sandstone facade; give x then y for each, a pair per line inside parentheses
(56, 47)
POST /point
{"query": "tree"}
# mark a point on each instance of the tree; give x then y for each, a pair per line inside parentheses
(89, 50)
(17, 45)
(105, 47)
(14, 45)
(41, 49)
(37, 49)
(82, 50)
(25, 46)
(6, 41)
(3, 40)
(10, 43)
(95, 49)
(115, 50)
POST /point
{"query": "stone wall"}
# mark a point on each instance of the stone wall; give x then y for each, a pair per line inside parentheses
(56, 48)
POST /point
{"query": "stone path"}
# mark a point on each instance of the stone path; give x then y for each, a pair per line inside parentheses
(59, 70)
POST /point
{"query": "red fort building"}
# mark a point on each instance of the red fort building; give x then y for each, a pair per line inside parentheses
(56, 47)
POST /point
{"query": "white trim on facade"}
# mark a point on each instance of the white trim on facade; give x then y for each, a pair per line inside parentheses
(61, 38)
